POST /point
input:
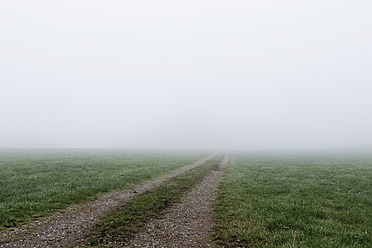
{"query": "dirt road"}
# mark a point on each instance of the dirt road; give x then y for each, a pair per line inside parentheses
(69, 226)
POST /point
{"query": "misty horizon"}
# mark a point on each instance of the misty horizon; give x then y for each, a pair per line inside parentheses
(186, 75)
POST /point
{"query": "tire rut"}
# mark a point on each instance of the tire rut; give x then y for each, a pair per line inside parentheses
(188, 223)
(69, 226)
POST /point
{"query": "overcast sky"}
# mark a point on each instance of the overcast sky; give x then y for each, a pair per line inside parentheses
(186, 74)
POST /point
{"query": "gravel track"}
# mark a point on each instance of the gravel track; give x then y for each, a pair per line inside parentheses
(70, 225)
(188, 223)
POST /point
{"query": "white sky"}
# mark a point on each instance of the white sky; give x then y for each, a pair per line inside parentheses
(186, 74)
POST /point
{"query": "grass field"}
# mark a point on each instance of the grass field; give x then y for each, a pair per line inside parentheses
(264, 199)
(309, 200)
(35, 182)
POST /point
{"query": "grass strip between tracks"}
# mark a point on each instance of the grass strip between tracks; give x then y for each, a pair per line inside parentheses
(121, 225)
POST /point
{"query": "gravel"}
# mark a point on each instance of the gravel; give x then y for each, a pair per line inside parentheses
(71, 225)
(188, 223)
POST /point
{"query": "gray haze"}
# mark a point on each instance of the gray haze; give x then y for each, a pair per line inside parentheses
(186, 74)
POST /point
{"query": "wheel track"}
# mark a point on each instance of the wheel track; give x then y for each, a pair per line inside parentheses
(188, 223)
(70, 226)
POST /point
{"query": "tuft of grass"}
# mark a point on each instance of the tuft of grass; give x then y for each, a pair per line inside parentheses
(121, 225)
(36, 182)
(295, 201)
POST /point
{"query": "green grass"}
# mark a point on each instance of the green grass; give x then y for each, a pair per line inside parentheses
(268, 200)
(120, 226)
(36, 182)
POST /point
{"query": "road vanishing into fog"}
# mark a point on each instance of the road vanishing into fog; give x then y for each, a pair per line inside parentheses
(187, 224)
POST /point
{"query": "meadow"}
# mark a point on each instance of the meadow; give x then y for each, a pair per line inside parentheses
(264, 199)
(36, 182)
(296, 200)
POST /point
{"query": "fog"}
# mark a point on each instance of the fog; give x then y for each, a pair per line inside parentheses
(186, 74)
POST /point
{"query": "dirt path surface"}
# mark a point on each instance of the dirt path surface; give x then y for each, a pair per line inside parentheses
(70, 225)
(187, 224)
